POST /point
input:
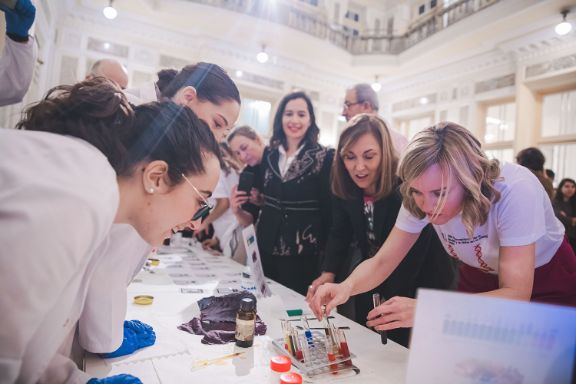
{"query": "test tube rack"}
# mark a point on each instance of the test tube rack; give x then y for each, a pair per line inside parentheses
(316, 359)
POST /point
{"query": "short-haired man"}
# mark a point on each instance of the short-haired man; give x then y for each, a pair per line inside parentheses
(110, 69)
(361, 98)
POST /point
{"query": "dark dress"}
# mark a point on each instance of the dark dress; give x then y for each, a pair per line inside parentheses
(294, 221)
(426, 265)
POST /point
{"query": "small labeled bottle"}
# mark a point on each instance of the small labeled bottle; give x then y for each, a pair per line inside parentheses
(246, 323)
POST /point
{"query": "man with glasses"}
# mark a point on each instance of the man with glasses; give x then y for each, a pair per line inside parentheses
(361, 98)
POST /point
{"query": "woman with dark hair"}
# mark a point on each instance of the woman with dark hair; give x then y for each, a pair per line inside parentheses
(203, 87)
(366, 203)
(294, 182)
(86, 161)
(564, 204)
(209, 92)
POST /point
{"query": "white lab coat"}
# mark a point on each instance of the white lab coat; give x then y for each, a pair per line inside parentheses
(100, 328)
(16, 69)
(58, 200)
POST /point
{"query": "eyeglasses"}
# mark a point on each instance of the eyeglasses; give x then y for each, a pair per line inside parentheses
(205, 209)
(347, 104)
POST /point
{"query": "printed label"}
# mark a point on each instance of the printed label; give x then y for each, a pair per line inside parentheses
(245, 329)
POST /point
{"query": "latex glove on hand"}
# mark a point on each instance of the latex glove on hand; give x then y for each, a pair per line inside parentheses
(116, 379)
(20, 19)
(136, 335)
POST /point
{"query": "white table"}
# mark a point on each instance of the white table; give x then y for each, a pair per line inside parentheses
(179, 357)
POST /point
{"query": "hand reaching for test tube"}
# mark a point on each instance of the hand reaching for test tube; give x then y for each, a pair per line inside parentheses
(330, 295)
(398, 312)
(325, 277)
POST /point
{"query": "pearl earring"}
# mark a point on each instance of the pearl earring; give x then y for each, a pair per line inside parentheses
(150, 190)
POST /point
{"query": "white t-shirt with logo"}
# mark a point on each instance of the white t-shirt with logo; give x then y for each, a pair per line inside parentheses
(522, 216)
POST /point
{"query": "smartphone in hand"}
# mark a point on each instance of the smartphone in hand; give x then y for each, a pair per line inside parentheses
(246, 182)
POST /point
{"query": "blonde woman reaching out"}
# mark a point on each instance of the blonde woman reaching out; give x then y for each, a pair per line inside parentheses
(479, 210)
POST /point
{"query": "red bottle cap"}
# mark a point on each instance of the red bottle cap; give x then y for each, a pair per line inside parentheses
(280, 363)
(290, 378)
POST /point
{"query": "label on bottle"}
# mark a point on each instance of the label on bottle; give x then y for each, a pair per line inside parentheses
(245, 329)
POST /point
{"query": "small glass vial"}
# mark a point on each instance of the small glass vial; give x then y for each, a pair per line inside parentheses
(290, 378)
(246, 323)
(278, 365)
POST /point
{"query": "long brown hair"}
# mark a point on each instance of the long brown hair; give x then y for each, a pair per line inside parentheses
(342, 184)
(97, 112)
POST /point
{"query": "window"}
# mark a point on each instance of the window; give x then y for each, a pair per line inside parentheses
(256, 114)
(422, 9)
(412, 126)
(499, 131)
(500, 123)
(432, 4)
(558, 133)
(351, 15)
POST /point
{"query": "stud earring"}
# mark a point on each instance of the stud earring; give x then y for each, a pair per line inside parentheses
(150, 190)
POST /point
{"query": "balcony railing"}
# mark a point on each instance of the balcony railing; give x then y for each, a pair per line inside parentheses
(368, 42)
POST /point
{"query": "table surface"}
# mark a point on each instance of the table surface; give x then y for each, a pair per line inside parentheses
(178, 356)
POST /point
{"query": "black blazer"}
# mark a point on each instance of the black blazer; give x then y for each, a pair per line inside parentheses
(296, 215)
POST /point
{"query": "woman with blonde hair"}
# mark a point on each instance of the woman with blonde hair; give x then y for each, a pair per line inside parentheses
(480, 212)
(366, 201)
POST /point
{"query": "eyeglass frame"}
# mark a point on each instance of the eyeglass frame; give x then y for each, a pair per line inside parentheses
(346, 105)
(204, 210)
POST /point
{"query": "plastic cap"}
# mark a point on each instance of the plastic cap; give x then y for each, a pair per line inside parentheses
(280, 363)
(247, 304)
(290, 378)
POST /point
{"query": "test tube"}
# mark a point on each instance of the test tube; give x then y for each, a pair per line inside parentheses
(376, 302)
(344, 350)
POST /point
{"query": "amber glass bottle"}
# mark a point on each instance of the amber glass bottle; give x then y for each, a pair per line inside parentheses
(246, 323)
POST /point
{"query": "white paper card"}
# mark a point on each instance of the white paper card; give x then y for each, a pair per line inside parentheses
(253, 261)
(463, 338)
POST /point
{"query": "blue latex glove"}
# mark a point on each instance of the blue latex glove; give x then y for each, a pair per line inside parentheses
(20, 19)
(136, 335)
(116, 379)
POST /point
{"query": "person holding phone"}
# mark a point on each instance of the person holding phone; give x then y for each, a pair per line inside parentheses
(496, 219)
(19, 56)
(366, 201)
(86, 161)
(245, 200)
(295, 217)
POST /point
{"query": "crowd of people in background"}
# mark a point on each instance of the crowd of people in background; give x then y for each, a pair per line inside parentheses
(98, 174)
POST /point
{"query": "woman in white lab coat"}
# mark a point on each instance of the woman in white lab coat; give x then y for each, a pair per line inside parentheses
(207, 90)
(98, 162)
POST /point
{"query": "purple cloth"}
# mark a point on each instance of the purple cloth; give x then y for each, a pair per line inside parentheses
(217, 322)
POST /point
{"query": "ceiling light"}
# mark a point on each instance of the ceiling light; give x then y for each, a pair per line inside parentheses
(376, 86)
(239, 73)
(423, 100)
(110, 12)
(564, 27)
(262, 56)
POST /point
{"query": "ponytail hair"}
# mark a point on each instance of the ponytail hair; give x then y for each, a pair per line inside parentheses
(97, 111)
(211, 82)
